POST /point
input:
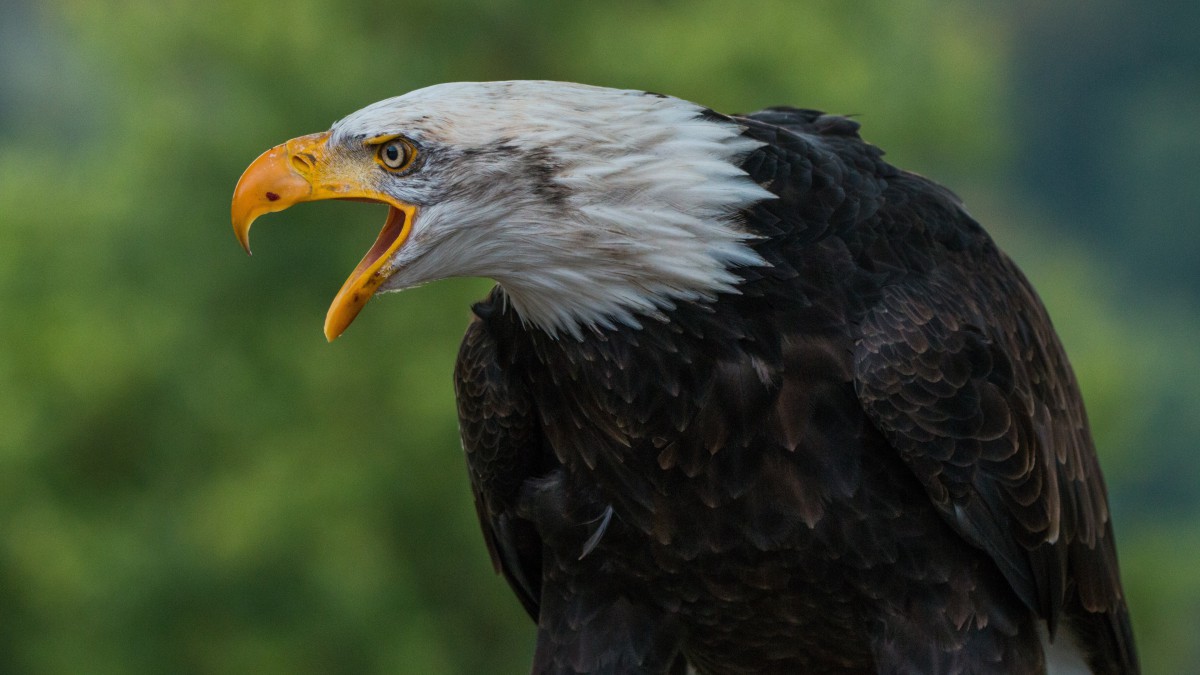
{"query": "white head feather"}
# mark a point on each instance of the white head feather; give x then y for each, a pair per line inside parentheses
(590, 206)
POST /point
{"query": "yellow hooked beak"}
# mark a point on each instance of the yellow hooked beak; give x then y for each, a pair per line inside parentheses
(303, 170)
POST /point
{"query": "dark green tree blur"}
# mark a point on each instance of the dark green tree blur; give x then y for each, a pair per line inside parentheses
(193, 481)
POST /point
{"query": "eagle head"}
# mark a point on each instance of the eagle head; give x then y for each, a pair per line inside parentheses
(591, 207)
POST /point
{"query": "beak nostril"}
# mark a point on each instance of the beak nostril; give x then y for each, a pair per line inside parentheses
(301, 163)
(272, 197)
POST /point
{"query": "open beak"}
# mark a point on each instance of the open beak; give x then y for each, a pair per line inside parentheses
(303, 170)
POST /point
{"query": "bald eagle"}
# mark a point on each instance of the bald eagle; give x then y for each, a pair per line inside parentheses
(745, 398)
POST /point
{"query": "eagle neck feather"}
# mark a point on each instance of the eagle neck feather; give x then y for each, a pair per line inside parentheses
(639, 228)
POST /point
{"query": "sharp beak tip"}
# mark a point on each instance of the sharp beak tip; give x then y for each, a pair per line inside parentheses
(244, 242)
(243, 216)
(242, 234)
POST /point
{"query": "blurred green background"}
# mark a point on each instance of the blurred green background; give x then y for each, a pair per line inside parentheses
(193, 481)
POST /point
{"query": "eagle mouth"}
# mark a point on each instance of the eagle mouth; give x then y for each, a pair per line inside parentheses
(385, 243)
(393, 227)
(370, 272)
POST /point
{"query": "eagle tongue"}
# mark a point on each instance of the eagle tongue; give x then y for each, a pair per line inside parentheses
(387, 236)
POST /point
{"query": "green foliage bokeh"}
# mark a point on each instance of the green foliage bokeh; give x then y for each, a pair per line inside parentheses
(193, 481)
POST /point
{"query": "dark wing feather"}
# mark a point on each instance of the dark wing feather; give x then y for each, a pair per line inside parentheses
(955, 361)
(805, 121)
(961, 370)
(503, 447)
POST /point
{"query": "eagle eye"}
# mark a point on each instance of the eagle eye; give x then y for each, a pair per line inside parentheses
(396, 154)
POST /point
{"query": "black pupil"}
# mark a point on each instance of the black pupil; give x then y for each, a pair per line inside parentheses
(392, 153)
